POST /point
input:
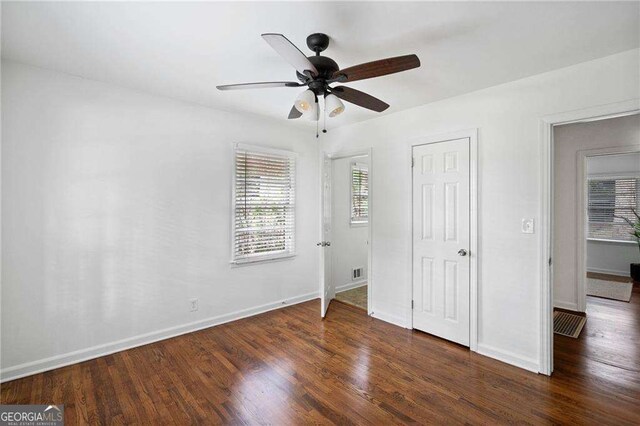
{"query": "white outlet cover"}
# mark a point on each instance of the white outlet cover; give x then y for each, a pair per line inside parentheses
(527, 226)
(193, 305)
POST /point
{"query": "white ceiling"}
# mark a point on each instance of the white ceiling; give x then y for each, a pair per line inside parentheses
(183, 50)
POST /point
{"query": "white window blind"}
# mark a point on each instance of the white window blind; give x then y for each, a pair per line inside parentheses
(264, 204)
(609, 200)
(359, 193)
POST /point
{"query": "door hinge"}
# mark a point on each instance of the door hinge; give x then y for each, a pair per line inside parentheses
(412, 304)
(413, 162)
(550, 262)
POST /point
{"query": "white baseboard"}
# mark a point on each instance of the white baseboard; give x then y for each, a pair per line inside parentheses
(349, 286)
(626, 273)
(39, 366)
(509, 357)
(391, 319)
(570, 306)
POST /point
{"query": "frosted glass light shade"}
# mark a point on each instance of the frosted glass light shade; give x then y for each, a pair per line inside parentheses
(305, 101)
(333, 105)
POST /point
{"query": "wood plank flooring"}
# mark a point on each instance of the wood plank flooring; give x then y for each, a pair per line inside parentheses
(355, 297)
(290, 367)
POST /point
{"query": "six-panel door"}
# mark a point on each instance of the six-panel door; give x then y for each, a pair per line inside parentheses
(441, 223)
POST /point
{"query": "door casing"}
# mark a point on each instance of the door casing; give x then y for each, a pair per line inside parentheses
(472, 135)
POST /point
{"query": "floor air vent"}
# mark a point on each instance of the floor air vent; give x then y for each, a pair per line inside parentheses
(568, 324)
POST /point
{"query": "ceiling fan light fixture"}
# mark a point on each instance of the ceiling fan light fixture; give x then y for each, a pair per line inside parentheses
(333, 105)
(305, 101)
(313, 113)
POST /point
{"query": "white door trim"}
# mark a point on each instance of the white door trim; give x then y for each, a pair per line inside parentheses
(474, 255)
(618, 109)
(346, 154)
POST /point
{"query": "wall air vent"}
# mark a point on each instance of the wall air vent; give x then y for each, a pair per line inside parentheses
(356, 274)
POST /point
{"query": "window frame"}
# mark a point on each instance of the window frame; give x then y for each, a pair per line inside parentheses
(609, 176)
(269, 257)
(352, 222)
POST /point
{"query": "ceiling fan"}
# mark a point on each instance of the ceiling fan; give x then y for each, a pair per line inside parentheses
(318, 72)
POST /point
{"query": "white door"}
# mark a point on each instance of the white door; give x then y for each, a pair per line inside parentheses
(327, 287)
(441, 225)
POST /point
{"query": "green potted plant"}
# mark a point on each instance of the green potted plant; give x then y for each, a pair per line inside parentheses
(635, 226)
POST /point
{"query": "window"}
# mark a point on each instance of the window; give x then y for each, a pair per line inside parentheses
(359, 193)
(263, 204)
(609, 201)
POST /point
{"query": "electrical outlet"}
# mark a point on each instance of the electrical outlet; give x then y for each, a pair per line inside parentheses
(527, 226)
(193, 303)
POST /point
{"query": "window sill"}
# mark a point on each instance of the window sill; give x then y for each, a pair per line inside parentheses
(262, 259)
(358, 224)
(602, 240)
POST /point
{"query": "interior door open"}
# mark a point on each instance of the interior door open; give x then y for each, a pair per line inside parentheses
(441, 239)
(327, 287)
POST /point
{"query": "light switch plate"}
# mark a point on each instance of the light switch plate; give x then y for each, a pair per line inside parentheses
(527, 226)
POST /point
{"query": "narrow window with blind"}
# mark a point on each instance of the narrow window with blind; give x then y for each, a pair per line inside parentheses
(610, 200)
(263, 204)
(359, 194)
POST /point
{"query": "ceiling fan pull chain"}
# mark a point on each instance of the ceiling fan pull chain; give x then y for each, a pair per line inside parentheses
(317, 116)
(324, 113)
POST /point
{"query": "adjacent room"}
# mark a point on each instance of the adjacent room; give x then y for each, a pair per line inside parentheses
(596, 249)
(320, 213)
(350, 229)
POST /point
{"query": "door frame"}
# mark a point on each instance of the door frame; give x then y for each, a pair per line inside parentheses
(347, 154)
(474, 254)
(546, 123)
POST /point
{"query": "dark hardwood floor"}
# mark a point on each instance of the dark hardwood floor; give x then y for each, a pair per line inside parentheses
(608, 345)
(290, 367)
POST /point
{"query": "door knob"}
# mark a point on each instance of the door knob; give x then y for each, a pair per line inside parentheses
(324, 244)
(319, 244)
(462, 252)
(327, 243)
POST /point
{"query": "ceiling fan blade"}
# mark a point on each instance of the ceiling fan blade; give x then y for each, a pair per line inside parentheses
(263, 85)
(359, 98)
(290, 53)
(294, 113)
(377, 68)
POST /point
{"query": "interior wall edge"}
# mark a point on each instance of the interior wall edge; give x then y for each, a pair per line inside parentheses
(75, 357)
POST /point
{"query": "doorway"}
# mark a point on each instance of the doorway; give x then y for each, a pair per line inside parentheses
(444, 238)
(346, 230)
(594, 180)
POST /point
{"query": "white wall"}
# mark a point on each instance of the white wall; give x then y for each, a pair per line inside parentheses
(608, 256)
(611, 257)
(568, 141)
(625, 164)
(348, 243)
(116, 211)
(508, 119)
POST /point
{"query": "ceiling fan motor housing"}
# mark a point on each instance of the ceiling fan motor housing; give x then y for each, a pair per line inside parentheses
(326, 68)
